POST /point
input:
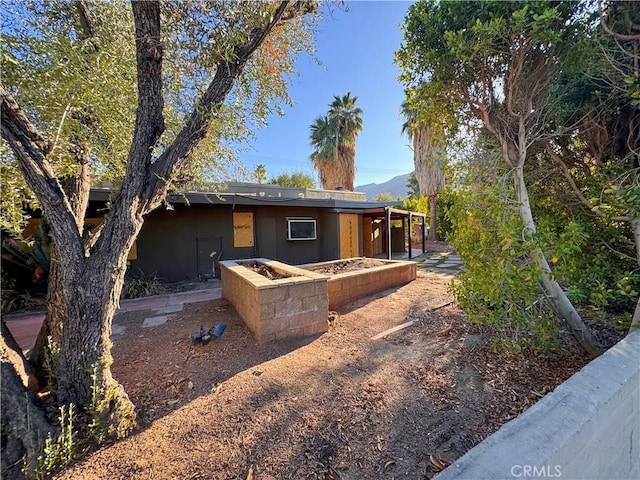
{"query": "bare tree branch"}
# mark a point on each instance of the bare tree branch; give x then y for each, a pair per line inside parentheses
(567, 175)
(609, 31)
(85, 18)
(31, 148)
(167, 166)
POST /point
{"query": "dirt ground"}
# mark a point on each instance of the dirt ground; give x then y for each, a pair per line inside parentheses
(348, 266)
(337, 406)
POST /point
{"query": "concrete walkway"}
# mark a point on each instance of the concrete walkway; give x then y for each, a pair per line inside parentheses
(25, 326)
(448, 263)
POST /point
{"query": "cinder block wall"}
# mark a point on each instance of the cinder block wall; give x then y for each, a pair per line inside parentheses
(237, 288)
(290, 307)
(347, 286)
(587, 428)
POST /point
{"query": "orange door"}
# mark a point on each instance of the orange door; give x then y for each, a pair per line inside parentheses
(349, 235)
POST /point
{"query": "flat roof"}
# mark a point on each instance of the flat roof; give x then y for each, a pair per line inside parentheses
(255, 199)
(395, 212)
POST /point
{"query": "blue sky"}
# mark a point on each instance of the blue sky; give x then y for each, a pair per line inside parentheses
(356, 50)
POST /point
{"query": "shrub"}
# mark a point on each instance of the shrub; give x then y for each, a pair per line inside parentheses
(140, 287)
(500, 284)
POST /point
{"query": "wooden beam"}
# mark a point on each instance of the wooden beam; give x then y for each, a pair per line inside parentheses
(388, 212)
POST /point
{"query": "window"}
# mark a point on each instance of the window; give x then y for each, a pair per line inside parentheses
(301, 229)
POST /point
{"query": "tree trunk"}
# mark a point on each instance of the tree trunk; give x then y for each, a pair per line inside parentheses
(91, 292)
(433, 218)
(557, 296)
(51, 329)
(77, 188)
(21, 365)
(24, 425)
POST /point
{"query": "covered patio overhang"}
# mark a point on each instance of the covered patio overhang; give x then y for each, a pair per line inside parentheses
(387, 215)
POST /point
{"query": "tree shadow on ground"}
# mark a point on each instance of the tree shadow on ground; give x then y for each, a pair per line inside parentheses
(162, 369)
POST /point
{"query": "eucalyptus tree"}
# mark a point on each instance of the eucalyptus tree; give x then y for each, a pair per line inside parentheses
(333, 138)
(497, 61)
(198, 72)
(429, 156)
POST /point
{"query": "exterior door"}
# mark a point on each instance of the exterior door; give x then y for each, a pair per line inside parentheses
(349, 246)
(367, 237)
(267, 238)
(208, 252)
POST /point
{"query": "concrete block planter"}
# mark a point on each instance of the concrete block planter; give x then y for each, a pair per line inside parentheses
(343, 287)
(294, 306)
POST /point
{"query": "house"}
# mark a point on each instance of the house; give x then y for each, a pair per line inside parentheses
(185, 240)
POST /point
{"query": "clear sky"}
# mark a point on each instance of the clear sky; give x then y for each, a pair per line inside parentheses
(356, 49)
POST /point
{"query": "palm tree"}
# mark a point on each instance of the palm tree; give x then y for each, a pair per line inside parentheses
(333, 137)
(428, 158)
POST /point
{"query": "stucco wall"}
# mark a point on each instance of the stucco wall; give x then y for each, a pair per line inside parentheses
(588, 428)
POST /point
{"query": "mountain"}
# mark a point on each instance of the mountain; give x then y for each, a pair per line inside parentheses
(397, 187)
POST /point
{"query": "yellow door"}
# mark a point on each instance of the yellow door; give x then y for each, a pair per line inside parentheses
(349, 235)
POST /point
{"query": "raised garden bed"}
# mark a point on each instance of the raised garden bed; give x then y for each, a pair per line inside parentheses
(372, 275)
(265, 270)
(294, 304)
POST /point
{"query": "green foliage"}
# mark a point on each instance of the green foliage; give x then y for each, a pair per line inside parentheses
(15, 196)
(384, 197)
(294, 179)
(333, 138)
(593, 260)
(103, 426)
(622, 196)
(500, 284)
(468, 60)
(79, 86)
(51, 355)
(416, 204)
(83, 86)
(59, 451)
(260, 173)
(446, 199)
(523, 69)
(412, 186)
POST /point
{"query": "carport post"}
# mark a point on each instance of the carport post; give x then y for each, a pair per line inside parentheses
(388, 212)
(409, 232)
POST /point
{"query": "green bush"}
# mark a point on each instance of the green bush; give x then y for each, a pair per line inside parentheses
(445, 200)
(590, 257)
(500, 286)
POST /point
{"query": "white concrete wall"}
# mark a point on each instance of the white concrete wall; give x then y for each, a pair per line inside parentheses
(588, 428)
